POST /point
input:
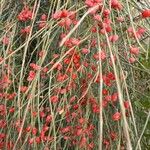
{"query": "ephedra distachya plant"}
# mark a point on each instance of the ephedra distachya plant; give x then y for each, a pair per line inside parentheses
(74, 74)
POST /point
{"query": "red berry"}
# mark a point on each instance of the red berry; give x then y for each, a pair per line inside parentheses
(43, 17)
(34, 131)
(132, 60)
(126, 104)
(85, 51)
(38, 140)
(54, 99)
(105, 92)
(31, 76)
(146, 13)
(31, 141)
(113, 38)
(116, 116)
(134, 50)
(5, 40)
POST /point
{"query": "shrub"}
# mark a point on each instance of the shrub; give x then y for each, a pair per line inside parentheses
(74, 74)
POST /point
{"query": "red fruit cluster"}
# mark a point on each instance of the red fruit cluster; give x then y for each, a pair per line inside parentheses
(25, 14)
(92, 3)
(25, 30)
(31, 76)
(137, 34)
(67, 18)
(42, 23)
(5, 40)
(116, 4)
